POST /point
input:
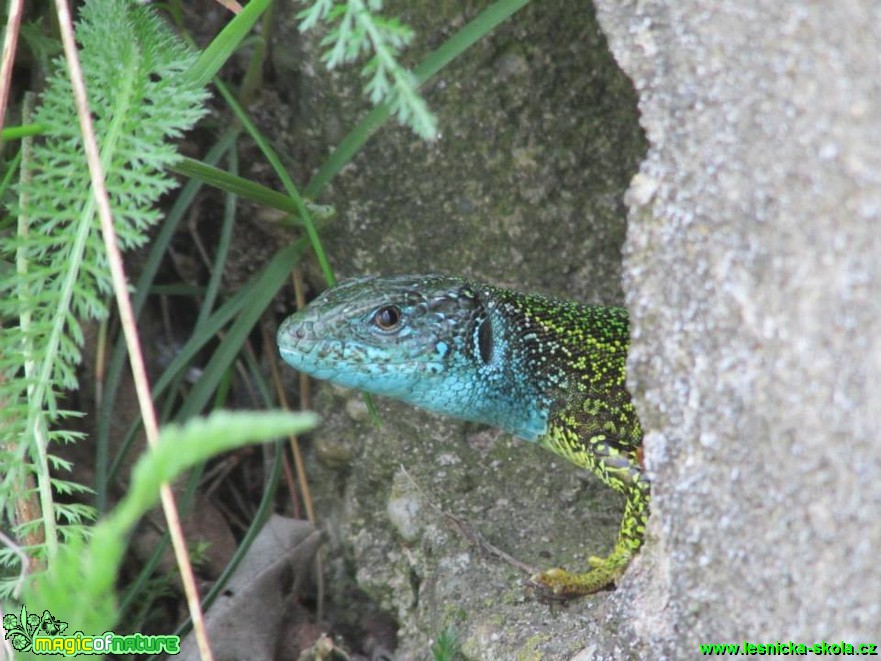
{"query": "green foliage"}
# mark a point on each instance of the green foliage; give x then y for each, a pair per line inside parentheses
(42, 48)
(139, 97)
(356, 29)
(220, 49)
(81, 581)
(447, 646)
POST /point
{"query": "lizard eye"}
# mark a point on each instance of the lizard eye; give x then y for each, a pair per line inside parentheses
(387, 318)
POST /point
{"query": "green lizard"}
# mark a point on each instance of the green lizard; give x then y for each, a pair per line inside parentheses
(546, 370)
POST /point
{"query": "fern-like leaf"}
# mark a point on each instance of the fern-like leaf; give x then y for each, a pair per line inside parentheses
(140, 97)
(356, 29)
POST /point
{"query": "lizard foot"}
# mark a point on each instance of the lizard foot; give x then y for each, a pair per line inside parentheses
(561, 585)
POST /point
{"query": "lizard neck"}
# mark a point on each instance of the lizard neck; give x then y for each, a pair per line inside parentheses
(489, 383)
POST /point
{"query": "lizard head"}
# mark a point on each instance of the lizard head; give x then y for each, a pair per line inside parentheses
(432, 340)
(398, 336)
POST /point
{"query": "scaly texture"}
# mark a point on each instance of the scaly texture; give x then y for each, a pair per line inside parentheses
(546, 370)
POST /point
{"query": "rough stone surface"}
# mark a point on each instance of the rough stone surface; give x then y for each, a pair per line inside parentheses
(752, 272)
(539, 138)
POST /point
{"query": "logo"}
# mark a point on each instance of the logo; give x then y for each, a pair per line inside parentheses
(30, 632)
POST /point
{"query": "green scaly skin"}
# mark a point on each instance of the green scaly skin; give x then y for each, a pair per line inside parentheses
(546, 370)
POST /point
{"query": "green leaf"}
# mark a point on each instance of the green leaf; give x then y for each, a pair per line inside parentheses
(81, 582)
(224, 44)
(248, 189)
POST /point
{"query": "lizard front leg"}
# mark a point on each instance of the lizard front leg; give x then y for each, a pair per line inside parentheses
(621, 470)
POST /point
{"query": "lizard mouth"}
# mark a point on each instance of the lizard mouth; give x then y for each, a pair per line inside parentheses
(309, 362)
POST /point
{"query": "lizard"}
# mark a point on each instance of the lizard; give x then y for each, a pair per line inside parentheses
(546, 370)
